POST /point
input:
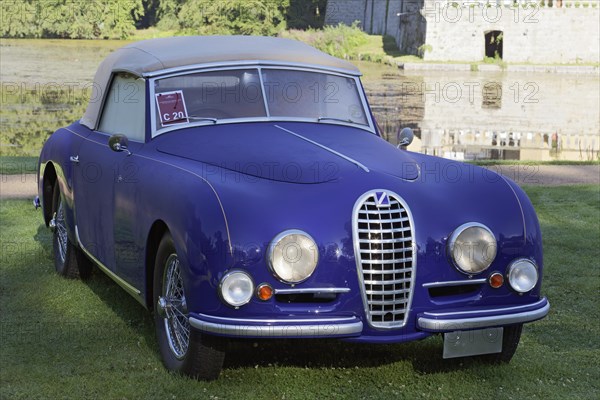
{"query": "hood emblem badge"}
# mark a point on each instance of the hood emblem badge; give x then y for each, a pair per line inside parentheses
(382, 198)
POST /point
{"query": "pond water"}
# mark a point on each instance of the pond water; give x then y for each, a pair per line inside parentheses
(463, 115)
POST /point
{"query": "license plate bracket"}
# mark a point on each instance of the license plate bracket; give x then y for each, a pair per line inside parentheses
(473, 343)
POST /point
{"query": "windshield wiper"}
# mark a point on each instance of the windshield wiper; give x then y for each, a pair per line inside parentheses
(195, 118)
(336, 119)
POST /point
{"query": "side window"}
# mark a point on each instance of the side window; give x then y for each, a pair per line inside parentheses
(124, 108)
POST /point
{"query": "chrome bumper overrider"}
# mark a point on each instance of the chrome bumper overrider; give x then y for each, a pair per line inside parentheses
(282, 328)
(482, 318)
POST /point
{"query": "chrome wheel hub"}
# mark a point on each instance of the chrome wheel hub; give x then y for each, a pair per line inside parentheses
(172, 307)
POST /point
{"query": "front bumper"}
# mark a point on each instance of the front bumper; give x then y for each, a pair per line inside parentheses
(331, 327)
(351, 327)
(482, 318)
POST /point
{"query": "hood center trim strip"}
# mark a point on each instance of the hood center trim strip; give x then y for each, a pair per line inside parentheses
(353, 161)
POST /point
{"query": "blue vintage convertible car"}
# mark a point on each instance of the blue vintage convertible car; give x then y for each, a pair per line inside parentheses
(239, 187)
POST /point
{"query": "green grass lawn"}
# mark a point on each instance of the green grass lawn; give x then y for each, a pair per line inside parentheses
(72, 339)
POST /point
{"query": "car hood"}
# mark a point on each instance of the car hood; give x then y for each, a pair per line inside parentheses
(447, 195)
(289, 152)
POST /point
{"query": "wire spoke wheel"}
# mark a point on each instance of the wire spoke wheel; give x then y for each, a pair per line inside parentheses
(173, 302)
(69, 261)
(61, 232)
(183, 348)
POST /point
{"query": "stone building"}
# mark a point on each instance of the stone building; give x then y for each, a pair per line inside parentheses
(517, 31)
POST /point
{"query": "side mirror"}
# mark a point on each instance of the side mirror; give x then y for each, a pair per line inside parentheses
(405, 137)
(119, 143)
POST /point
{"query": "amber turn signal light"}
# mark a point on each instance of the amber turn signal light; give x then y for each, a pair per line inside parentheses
(264, 291)
(496, 280)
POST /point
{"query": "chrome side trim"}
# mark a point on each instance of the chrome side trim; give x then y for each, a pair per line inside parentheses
(455, 283)
(129, 288)
(353, 161)
(445, 325)
(311, 290)
(75, 133)
(330, 329)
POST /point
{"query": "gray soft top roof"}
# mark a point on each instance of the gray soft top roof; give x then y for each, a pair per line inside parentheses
(156, 56)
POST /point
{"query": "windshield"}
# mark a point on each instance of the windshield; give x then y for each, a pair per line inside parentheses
(281, 94)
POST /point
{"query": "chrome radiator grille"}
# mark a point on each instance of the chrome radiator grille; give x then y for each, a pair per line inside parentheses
(383, 245)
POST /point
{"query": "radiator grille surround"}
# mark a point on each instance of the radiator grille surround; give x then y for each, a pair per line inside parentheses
(383, 236)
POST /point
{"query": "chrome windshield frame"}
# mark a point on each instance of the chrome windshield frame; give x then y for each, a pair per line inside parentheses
(370, 127)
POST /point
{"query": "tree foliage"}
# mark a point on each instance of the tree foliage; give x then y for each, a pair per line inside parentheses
(76, 19)
(91, 19)
(223, 17)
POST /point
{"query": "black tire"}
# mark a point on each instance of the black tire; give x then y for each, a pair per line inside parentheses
(69, 261)
(510, 342)
(203, 355)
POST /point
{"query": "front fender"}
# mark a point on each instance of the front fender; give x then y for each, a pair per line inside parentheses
(191, 209)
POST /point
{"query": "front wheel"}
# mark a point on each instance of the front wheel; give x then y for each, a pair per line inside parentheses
(68, 259)
(183, 349)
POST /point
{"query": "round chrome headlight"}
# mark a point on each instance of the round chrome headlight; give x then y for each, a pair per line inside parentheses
(523, 275)
(293, 256)
(236, 288)
(472, 248)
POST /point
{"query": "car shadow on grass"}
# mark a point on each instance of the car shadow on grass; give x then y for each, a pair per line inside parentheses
(44, 238)
(425, 356)
(114, 297)
(123, 306)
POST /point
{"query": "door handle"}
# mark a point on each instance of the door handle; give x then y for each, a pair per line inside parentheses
(74, 159)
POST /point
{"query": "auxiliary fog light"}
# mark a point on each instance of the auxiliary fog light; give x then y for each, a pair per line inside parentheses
(236, 288)
(523, 275)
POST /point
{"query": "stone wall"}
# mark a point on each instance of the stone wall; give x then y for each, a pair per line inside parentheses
(530, 35)
(450, 31)
(398, 18)
(345, 12)
(378, 17)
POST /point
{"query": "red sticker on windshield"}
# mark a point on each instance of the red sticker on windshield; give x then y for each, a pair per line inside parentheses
(171, 108)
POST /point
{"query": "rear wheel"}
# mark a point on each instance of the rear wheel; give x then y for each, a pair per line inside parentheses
(183, 349)
(68, 259)
(510, 341)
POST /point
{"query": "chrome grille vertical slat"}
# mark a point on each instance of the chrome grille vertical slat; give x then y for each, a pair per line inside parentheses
(383, 237)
